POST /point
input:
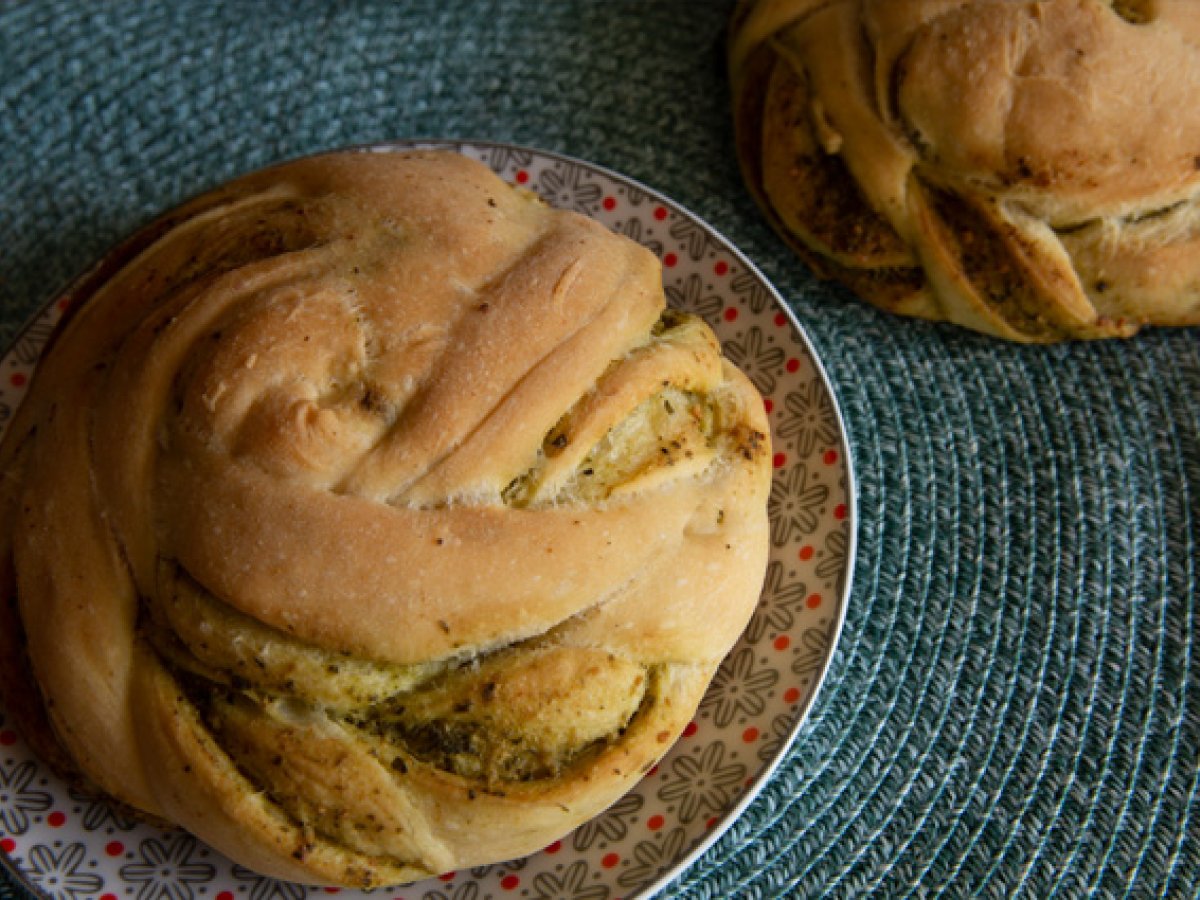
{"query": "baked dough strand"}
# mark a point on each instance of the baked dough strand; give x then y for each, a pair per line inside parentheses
(370, 518)
(1029, 170)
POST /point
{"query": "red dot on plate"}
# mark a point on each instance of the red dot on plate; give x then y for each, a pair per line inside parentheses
(793, 365)
(609, 203)
(839, 511)
(220, 896)
(779, 460)
(116, 848)
(522, 176)
(731, 314)
(721, 267)
(768, 404)
(8, 845)
(783, 642)
(446, 876)
(225, 895)
(813, 601)
(711, 823)
(333, 890)
(610, 860)
(750, 735)
(670, 259)
(653, 771)
(655, 822)
(831, 456)
(806, 552)
(510, 882)
(791, 695)
(780, 319)
(660, 212)
(8, 738)
(691, 729)
(16, 379)
(56, 819)
(555, 847)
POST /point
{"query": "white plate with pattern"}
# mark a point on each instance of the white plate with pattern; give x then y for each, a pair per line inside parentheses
(62, 844)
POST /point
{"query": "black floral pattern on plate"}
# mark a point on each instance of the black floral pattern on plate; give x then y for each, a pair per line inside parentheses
(810, 655)
(168, 868)
(513, 865)
(693, 297)
(776, 738)
(811, 419)
(62, 873)
(739, 688)
(695, 238)
(99, 813)
(468, 890)
(568, 187)
(19, 800)
(635, 231)
(571, 883)
(780, 602)
(758, 360)
(652, 858)
(703, 783)
(752, 289)
(610, 827)
(635, 195)
(795, 504)
(29, 345)
(833, 565)
(503, 158)
(263, 888)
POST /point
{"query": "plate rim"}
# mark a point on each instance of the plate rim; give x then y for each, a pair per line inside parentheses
(124, 249)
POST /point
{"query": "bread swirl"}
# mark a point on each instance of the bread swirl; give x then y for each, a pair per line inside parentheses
(1026, 169)
(372, 519)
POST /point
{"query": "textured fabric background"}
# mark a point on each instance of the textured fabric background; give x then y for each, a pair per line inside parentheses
(1015, 705)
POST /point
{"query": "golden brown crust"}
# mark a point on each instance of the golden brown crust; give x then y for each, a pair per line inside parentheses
(1009, 154)
(361, 520)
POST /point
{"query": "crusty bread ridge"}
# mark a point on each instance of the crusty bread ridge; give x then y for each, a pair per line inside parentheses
(373, 519)
(1026, 168)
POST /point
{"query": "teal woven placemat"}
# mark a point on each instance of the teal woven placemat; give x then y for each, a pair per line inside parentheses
(1015, 705)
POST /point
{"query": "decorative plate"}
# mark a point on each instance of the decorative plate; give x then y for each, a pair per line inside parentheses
(62, 844)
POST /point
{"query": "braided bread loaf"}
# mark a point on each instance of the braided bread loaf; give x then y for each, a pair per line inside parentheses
(374, 519)
(1026, 169)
